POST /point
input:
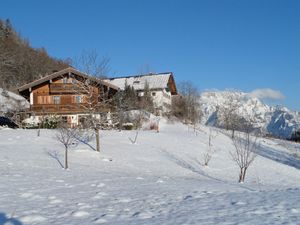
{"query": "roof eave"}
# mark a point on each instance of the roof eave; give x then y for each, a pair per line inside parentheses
(60, 73)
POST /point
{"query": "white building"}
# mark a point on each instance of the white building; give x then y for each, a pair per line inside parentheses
(161, 85)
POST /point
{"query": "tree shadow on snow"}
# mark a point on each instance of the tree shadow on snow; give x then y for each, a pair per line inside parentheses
(196, 168)
(5, 220)
(54, 155)
(85, 143)
(278, 156)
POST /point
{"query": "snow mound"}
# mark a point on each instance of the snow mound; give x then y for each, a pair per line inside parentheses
(10, 101)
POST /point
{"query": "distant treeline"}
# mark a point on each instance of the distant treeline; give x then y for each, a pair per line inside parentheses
(19, 62)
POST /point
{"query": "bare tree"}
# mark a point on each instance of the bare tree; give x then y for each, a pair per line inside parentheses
(66, 136)
(187, 106)
(138, 120)
(92, 64)
(228, 117)
(146, 69)
(208, 154)
(95, 97)
(244, 154)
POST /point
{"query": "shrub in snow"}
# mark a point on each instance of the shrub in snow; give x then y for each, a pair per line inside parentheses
(66, 136)
(244, 153)
(128, 126)
(208, 154)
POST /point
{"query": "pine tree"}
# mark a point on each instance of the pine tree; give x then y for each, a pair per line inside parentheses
(296, 136)
(146, 102)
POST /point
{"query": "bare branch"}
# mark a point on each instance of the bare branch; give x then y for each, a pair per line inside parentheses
(92, 64)
(66, 136)
(244, 153)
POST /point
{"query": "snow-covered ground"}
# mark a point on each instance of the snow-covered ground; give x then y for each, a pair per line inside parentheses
(158, 180)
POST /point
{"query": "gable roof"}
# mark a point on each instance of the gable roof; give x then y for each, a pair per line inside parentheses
(155, 81)
(61, 73)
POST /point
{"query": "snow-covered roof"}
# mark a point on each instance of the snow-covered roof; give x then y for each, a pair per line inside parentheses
(155, 81)
(59, 74)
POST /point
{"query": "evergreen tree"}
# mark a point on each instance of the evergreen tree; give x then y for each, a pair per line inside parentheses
(146, 101)
(296, 136)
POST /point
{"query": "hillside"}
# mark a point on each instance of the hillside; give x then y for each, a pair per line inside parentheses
(278, 121)
(159, 180)
(20, 63)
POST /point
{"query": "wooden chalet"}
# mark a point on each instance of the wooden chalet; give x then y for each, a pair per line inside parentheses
(68, 92)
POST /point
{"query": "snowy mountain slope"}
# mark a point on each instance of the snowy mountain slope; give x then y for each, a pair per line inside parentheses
(278, 121)
(11, 101)
(159, 180)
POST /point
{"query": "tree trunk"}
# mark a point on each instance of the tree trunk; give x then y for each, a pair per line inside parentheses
(244, 174)
(232, 134)
(97, 140)
(66, 157)
(241, 176)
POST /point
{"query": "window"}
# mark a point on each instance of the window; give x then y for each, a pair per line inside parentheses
(78, 99)
(56, 99)
(153, 93)
(74, 81)
(64, 119)
(65, 80)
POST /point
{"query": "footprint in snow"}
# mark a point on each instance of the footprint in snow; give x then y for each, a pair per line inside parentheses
(159, 181)
(142, 215)
(26, 195)
(124, 200)
(31, 196)
(294, 210)
(83, 206)
(80, 214)
(59, 181)
(238, 203)
(107, 160)
(32, 219)
(54, 200)
(101, 185)
(187, 197)
(100, 221)
(99, 195)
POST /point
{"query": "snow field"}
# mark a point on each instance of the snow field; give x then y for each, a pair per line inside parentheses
(158, 180)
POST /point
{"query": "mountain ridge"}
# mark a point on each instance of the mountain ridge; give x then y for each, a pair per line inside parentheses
(277, 121)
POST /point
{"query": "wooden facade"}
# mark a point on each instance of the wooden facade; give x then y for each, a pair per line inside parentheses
(68, 92)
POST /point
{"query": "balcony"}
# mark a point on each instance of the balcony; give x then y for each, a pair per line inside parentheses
(66, 109)
(65, 88)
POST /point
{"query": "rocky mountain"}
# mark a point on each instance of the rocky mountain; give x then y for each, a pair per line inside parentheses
(278, 121)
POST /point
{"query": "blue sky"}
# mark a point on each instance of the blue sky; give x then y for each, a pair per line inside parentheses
(236, 44)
